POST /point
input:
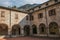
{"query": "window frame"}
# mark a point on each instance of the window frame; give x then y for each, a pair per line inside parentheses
(40, 15)
(52, 12)
(2, 13)
(31, 17)
(27, 18)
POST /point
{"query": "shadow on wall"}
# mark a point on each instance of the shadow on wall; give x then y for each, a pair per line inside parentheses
(23, 21)
(4, 30)
(16, 30)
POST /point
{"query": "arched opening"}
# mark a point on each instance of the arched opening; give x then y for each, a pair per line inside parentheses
(42, 28)
(3, 29)
(34, 29)
(53, 28)
(16, 29)
(27, 30)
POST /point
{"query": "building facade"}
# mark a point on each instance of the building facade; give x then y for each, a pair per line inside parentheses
(42, 20)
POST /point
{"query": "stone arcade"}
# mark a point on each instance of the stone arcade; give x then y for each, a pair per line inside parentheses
(42, 20)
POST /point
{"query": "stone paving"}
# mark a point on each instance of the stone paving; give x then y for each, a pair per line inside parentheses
(30, 38)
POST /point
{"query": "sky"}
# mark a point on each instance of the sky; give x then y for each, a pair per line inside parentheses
(19, 2)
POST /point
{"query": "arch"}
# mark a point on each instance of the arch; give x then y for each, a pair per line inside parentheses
(34, 29)
(53, 28)
(42, 28)
(27, 30)
(3, 29)
(16, 29)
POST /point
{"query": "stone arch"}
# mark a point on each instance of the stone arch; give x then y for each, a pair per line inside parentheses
(42, 28)
(3, 29)
(34, 29)
(16, 30)
(53, 28)
(27, 30)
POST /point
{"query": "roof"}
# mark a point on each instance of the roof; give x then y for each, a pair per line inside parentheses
(13, 9)
(26, 8)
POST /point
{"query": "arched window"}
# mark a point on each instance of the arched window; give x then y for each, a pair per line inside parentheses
(3, 29)
(34, 29)
(27, 30)
(16, 29)
(53, 28)
(42, 28)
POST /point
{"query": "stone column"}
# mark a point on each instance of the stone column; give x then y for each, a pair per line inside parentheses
(9, 31)
(59, 30)
(22, 31)
(47, 29)
(38, 32)
(31, 31)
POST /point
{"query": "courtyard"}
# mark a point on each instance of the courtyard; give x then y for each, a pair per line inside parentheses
(30, 38)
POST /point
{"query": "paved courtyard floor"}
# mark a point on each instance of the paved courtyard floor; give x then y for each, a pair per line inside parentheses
(30, 38)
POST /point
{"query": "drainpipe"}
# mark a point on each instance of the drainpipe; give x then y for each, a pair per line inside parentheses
(10, 24)
(30, 24)
(46, 22)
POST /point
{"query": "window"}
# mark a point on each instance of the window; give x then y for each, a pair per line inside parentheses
(34, 29)
(53, 28)
(31, 18)
(52, 12)
(46, 3)
(2, 13)
(26, 17)
(56, 0)
(16, 29)
(39, 7)
(16, 16)
(42, 28)
(40, 15)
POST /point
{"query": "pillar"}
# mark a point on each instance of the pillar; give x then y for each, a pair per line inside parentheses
(9, 31)
(38, 31)
(22, 31)
(31, 30)
(47, 30)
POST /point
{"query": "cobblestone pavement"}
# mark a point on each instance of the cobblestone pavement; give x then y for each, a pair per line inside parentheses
(30, 38)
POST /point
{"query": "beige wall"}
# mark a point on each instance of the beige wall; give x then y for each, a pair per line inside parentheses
(54, 18)
(38, 21)
(22, 18)
(10, 20)
(49, 19)
(6, 19)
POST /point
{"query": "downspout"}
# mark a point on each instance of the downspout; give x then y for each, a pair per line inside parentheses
(46, 20)
(10, 23)
(30, 23)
